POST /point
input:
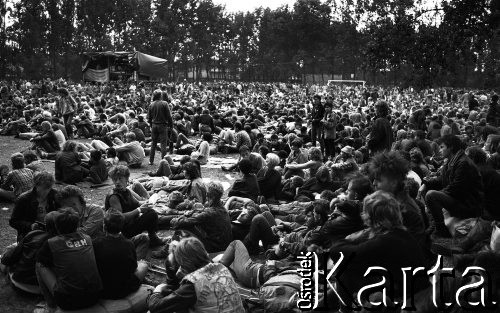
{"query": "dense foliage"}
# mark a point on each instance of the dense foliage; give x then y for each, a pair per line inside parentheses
(409, 42)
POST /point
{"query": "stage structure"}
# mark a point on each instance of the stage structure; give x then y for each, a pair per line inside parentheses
(112, 66)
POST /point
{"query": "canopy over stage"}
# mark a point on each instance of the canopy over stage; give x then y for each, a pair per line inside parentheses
(107, 66)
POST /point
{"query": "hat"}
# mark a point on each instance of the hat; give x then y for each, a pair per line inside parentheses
(348, 149)
(483, 98)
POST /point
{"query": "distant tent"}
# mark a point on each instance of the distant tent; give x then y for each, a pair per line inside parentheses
(108, 65)
(151, 66)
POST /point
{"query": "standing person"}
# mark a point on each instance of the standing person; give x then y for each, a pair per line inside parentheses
(160, 119)
(66, 107)
(329, 131)
(317, 114)
(381, 136)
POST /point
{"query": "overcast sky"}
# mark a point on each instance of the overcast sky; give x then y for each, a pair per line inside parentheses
(250, 5)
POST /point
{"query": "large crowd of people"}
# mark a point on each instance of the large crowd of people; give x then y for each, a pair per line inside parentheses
(385, 176)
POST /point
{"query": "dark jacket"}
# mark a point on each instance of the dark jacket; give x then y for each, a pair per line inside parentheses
(317, 114)
(493, 116)
(159, 113)
(21, 259)
(491, 183)
(211, 225)
(68, 168)
(50, 138)
(393, 250)
(26, 209)
(460, 179)
(270, 184)
(246, 187)
(336, 228)
(412, 218)
(381, 136)
(311, 186)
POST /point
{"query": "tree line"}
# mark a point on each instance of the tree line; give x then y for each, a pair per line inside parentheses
(451, 43)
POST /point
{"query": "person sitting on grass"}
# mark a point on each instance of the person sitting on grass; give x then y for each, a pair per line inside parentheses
(116, 259)
(68, 168)
(314, 163)
(211, 225)
(167, 168)
(131, 152)
(138, 216)
(193, 188)
(19, 180)
(458, 190)
(91, 216)
(246, 186)
(21, 258)
(111, 158)
(32, 161)
(204, 286)
(270, 179)
(66, 269)
(98, 172)
(32, 206)
(203, 152)
(47, 140)
(387, 243)
(256, 160)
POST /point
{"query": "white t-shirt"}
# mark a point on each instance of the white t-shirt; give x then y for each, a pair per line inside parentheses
(413, 175)
(204, 151)
(60, 137)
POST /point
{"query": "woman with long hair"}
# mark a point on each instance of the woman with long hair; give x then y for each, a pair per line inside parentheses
(68, 167)
(386, 244)
(201, 286)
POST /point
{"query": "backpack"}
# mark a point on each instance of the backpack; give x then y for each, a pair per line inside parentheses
(278, 294)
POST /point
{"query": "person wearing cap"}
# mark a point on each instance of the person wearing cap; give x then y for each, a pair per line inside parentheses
(160, 119)
(344, 164)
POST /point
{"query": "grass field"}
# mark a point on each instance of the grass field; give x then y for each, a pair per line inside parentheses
(15, 302)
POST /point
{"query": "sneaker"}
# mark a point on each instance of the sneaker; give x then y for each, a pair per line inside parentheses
(42, 307)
